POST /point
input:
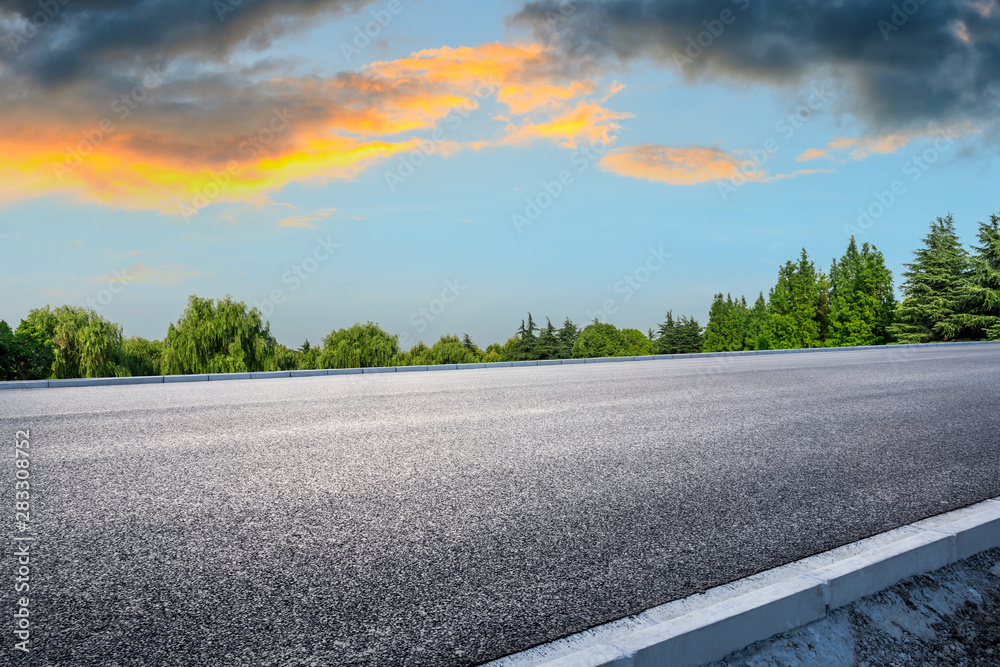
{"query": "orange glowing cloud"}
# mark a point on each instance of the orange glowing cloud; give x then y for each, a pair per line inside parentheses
(192, 142)
(676, 166)
(862, 148)
(688, 166)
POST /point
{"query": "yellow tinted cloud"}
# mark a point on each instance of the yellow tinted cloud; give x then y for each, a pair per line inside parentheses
(194, 142)
(676, 166)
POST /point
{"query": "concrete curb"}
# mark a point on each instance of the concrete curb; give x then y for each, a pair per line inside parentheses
(216, 377)
(709, 626)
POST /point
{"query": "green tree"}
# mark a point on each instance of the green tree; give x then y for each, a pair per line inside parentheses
(26, 354)
(449, 349)
(359, 346)
(933, 288)
(472, 347)
(547, 345)
(567, 336)
(862, 301)
(143, 357)
(682, 336)
(601, 340)
(727, 322)
(980, 294)
(636, 344)
(798, 306)
(308, 357)
(525, 347)
(757, 326)
(85, 344)
(494, 352)
(218, 337)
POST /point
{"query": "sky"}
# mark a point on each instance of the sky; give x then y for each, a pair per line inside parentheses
(440, 167)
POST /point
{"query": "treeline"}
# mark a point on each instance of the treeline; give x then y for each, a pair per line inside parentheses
(948, 294)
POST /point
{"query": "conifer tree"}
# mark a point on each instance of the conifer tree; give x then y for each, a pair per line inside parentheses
(980, 295)
(798, 306)
(932, 290)
(861, 298)
(547, 345)
(567, 336)
(756, 336)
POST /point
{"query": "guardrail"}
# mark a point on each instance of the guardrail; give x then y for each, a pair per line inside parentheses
(215, 377)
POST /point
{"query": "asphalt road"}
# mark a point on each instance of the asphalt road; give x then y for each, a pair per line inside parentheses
(451, 518)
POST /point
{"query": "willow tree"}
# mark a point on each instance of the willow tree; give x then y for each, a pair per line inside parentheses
(85, 345)
(359, 346)
(218, 336)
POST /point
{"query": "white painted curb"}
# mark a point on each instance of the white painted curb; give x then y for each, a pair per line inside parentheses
(215, 377)
(707, 627)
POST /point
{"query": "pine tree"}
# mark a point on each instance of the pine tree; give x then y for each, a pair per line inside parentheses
(525, 348)
(547, 345)
(567, 336)
(932, 289)
(688, 337)
(727, 320)
(980, 295)
(798, 306)
(861, 298)
(666, 335)
(756, 336)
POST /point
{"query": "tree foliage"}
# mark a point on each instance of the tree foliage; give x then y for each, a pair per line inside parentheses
(221, 336)
(85, 345)
(682, 336)
(862, 302)
(798, 306)
(359, 346)
(933, 288)
(979, 297)
(26, 354)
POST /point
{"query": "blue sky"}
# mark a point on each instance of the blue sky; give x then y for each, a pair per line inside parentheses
(650, 164)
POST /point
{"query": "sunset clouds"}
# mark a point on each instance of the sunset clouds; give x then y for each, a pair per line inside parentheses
(175, 142)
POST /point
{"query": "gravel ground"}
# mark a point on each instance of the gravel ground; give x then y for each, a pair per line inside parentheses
(452, 518)
(946, 618)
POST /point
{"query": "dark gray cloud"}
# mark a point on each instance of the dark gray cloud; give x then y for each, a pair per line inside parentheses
(901, 62)
(54, 42)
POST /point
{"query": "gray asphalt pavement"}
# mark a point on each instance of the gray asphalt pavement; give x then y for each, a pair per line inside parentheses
(451, 518)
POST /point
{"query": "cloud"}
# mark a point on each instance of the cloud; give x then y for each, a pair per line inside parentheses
(862, 148)
(83, 40)
(141, 273)
(674, 166)
(937, 64)
(687, 166)
(176, 140)
(306, 221)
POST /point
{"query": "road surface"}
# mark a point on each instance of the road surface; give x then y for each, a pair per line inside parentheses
(451, 518)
